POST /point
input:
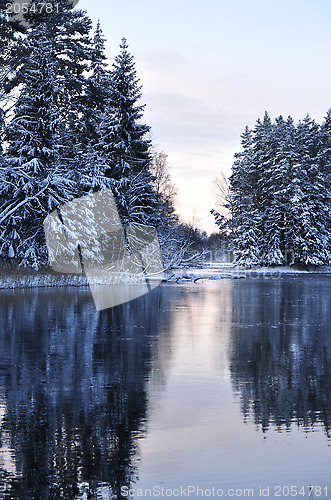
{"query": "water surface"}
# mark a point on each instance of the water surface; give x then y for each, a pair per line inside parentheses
(219, 386)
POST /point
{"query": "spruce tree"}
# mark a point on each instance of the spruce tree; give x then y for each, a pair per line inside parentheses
(276, 182)
(124, 146)
(308, 234)
(324, 160)
(245, 219)
(42, 170)
(94, 168)
(11, 55)
(35, 181)
(280, 194)
(97, 88)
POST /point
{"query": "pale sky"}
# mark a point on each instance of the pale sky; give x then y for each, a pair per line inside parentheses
(209, 68)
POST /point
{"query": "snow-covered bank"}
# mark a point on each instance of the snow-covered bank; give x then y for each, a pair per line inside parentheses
(212, 272)
(41, 280)
(192, 274)
(228, 271)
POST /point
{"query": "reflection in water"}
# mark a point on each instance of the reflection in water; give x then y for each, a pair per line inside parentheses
(85, 395)
(280, 357)
(73, 391)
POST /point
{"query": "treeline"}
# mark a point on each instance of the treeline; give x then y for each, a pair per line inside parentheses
(278, 196)
(70, 125)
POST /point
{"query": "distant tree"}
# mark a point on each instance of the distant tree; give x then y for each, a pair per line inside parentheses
(223, 199)
(164, 187)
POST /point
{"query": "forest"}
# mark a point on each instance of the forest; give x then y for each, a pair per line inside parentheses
(276, 203)
(72, 124)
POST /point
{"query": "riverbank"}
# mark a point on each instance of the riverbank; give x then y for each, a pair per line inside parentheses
(38, 280)
(213, 271)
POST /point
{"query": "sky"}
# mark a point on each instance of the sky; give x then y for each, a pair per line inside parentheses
(209, 68)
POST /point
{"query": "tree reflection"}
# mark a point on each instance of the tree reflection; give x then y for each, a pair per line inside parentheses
(280, 357)
(73, 388)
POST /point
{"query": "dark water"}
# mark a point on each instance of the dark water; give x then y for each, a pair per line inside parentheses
(211, 389)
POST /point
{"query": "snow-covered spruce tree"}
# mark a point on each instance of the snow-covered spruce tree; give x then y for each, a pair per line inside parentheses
(276, 191)
(35, 181)
(124, 146)
(280, 194)
(324, 160)
(41, 172)
(94, 167)
(10, 32)
(6, 38)
(97, 88)
(9, 48)
(11, 55)
(256, 212)
(245, 221)
(307, 235)
(287, 233)
(261, 175)
(73, 48)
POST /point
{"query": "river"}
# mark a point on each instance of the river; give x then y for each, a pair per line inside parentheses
(208, 389)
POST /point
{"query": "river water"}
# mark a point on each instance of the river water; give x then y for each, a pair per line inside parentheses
(219, 388)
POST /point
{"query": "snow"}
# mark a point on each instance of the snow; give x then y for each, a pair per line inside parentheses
(221, 271)
(11, 252)
(41, 281)
(216, 271)
(278, 194)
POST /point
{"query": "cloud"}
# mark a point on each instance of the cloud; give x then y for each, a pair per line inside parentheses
(160, 60)
(189, 123)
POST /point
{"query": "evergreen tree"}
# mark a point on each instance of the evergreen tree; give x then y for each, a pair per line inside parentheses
(275, 207)
(35, 180)
(97, 88)
(10, 56)
(308, 233)
(41, 166)
(245, 221)
(95, 170)
(124, 146)
(324, 160)
(280, 194)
